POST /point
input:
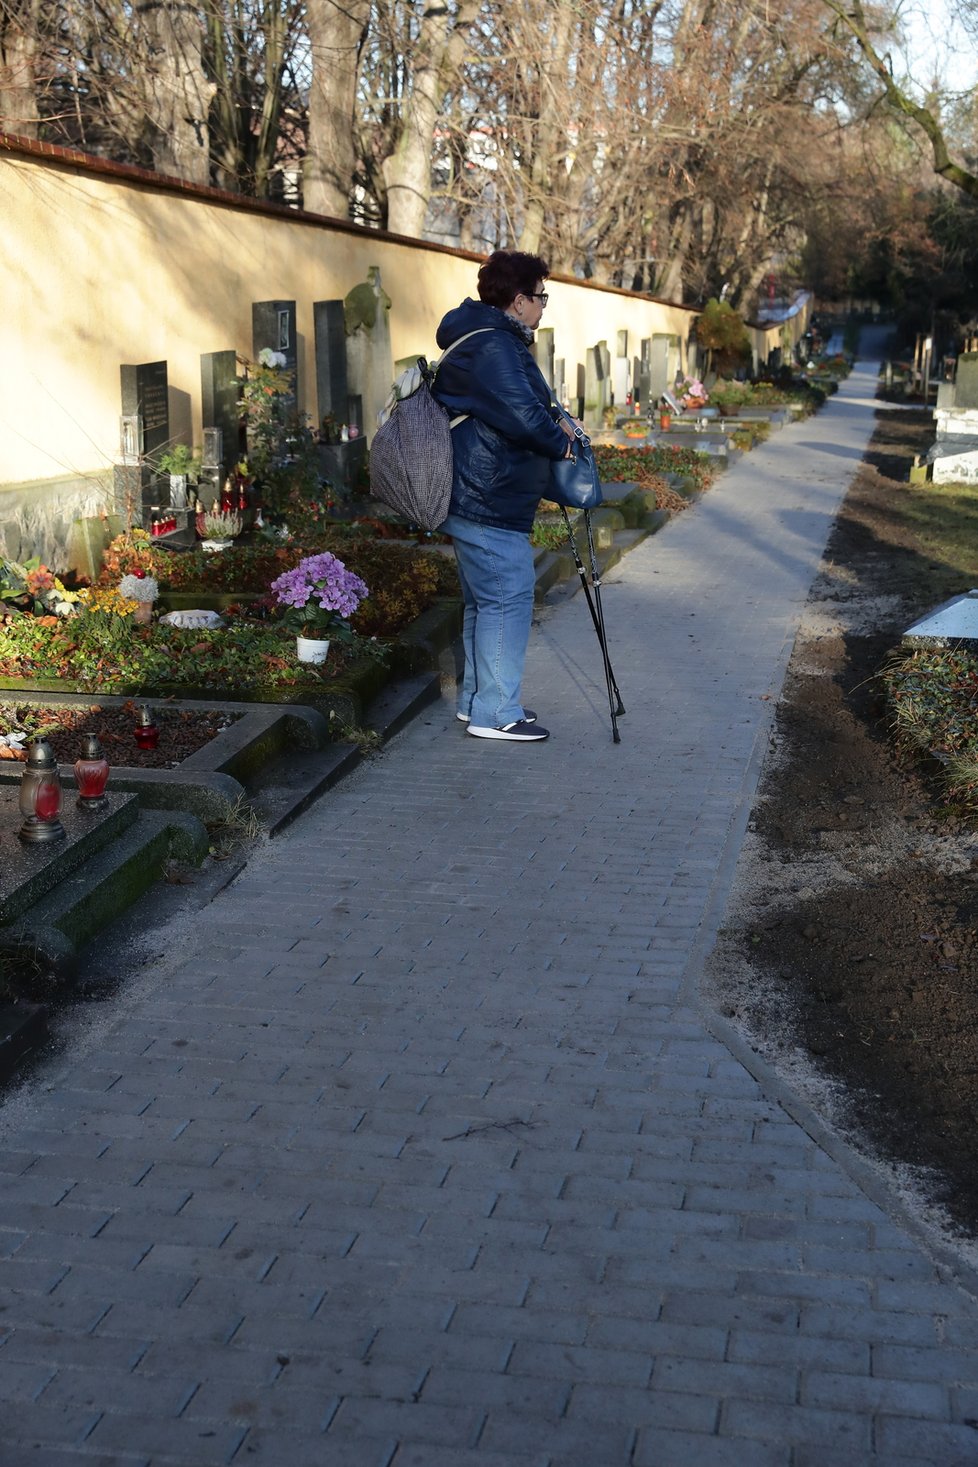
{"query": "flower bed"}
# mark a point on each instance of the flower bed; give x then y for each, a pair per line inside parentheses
(182, 731)
(647, 467)
(109, 654)
(403, 579)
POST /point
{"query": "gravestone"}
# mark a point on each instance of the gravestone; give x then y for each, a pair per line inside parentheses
(966, 382)
(596, 387)
(273, 326)
(660, 372)
(332, 387)
(952, 624)
(369, 360)
(340, 461)
(955, 461)
(543, 351)
(643, 375)
(144, 391)
(146, 433)
(560, 382)
(622, 371)
(220, 395)
(577, 382)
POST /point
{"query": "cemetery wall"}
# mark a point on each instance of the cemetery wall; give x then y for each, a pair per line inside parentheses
(106, 265)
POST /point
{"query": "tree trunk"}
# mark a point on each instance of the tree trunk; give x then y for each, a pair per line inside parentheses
(336, 35)
(18, 57)
(407, 170)
(176, 91)
(550, 141)
(668, 283)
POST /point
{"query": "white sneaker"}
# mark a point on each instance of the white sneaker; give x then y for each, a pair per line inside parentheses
(521, 732)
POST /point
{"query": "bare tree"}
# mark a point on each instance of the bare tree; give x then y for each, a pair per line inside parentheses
(176, 92)
(337, 33)
(253, 52)
(852, 17)
(19, 46)
(429, 67)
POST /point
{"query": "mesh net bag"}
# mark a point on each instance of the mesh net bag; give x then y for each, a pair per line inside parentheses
(411, 460)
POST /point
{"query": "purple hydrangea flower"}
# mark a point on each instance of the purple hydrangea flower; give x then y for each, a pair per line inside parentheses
(322, 588)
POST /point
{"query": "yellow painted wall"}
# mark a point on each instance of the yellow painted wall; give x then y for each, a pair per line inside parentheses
(100, 267)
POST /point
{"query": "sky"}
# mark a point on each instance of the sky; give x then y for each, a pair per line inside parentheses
(937, 41)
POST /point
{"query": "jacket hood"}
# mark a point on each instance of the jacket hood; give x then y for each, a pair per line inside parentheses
(474, 316)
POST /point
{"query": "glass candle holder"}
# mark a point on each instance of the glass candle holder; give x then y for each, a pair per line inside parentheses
(40, 796)
(146, 733)
(91, 774)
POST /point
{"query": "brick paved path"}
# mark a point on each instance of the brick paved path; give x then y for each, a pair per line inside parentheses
(421, 1153)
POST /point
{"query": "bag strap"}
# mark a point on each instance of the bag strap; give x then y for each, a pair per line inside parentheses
(479, 331)
(458, 342)
(581, 437)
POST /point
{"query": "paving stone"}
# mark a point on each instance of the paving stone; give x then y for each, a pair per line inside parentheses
(898, 1437)
(898, 1398)
(69, 1457)
(776, 1423)
(668, 1448)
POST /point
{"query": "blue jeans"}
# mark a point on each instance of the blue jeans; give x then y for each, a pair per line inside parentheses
(495, 568)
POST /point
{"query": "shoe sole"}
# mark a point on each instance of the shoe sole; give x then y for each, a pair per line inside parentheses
(512, 738)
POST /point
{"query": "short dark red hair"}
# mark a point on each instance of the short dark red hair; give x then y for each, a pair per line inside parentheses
(509, 273)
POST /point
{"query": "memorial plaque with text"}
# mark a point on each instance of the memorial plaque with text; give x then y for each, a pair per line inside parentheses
(144, 391)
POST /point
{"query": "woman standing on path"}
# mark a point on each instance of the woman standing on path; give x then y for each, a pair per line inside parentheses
(502, 453)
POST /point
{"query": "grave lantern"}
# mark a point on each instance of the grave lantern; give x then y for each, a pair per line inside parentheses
(91, 774)
(146, 733)
(212, 456)
(40, 796)
(131, 438)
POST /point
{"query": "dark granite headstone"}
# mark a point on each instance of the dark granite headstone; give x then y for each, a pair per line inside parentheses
(144, 393)
(273, 325)
(220, 396)
(332, 384)
(643, 374)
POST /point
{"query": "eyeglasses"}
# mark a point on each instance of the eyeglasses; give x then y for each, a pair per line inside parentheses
(538, 295)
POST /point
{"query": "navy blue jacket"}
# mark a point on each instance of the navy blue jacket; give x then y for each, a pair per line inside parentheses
(502, 452)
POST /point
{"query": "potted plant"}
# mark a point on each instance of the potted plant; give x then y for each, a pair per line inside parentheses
(693, 394)
(218, 528)
(143, 589)
(319, 597)
(180, 463)
(730, 397)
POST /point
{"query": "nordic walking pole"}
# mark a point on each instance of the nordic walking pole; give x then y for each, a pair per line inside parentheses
(602, 638)
(614, 696)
